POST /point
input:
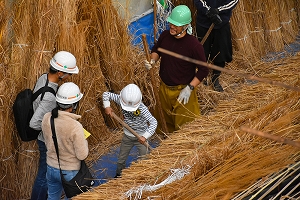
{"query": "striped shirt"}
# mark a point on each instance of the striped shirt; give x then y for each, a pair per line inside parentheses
(141, 122)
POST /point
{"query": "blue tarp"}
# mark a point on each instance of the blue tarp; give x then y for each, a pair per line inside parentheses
(105, 168)
(143, 25)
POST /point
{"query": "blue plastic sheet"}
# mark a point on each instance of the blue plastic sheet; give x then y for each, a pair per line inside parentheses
(105, 168)
(143, 25)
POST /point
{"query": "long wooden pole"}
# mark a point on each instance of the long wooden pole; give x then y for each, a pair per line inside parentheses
(211, 66)
(271, 137)
(130, 129)
(207, 33)
(155, 20)
(161, 114)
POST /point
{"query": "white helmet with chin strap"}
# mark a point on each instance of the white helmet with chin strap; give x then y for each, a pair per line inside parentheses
(131, 97)
(68, 94)
(65, 62)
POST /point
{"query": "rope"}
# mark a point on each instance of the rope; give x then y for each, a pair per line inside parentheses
(177, 174)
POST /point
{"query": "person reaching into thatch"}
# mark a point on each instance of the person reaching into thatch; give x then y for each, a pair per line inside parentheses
(62, 66)
(136, 116)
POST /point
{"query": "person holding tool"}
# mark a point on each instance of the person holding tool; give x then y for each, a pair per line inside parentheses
(179, 78)
(218, 46)
(136, 116)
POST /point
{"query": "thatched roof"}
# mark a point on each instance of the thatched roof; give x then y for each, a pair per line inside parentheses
(222, 159)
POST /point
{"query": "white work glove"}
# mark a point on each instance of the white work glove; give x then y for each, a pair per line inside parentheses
(185, 95)
(148, 64)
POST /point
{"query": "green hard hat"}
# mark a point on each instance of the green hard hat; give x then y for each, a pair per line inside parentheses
(180, 16)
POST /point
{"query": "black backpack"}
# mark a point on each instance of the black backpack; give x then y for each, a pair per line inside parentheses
(23, 111)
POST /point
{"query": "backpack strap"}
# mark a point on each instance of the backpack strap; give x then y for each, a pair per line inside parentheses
(43, 90)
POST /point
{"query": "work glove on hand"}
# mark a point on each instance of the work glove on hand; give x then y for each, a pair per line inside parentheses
(185, 95)
(148, 64)
(213, 15)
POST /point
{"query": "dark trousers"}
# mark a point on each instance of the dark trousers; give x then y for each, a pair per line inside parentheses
(126, 145)
(39, 190)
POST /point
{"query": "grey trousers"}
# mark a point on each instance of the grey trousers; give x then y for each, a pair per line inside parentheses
(126, 145)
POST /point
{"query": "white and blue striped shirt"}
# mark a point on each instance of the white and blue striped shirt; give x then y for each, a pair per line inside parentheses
(143, 123)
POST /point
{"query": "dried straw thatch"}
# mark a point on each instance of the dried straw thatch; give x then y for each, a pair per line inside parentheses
(92, 31)
(224, 160)
(32, 31)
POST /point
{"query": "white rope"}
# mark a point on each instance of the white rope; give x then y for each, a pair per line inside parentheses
(256, 31)
(30, 151)
(5, 159)
(42, 51)
(21, 45)
(244, 38)
(177, 174)
(275, 30)
(292, 10)
(287, 22)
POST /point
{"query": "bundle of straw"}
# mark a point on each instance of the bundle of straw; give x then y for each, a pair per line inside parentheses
(272, 26)
(242, 41)
(254, 20)
(35, 36)
(11, 82)
(3, 22)
(297, 9)
(287, 20)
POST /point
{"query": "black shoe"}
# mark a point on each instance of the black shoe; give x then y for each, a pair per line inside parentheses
(217, 87)
(117, 176)
(216, 84)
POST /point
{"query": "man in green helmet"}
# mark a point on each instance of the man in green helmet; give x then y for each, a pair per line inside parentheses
(179, 78)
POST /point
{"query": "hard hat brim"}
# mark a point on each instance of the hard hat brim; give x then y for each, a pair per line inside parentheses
(76, 71)
(129, 108)
(63, 101)
(170, 20)
(55, 66)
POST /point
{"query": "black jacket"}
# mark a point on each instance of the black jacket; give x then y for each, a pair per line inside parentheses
(225, 8)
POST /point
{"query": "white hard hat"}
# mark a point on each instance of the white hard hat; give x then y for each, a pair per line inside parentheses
(131, 97)
(65, 62)
(68, 93)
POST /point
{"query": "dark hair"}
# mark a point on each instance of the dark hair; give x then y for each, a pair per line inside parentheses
(63, 106)
(52, 70)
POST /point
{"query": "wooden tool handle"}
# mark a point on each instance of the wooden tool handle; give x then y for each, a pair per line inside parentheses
(161, 114)
(229, 71)
(207, 33)
(271, 137)
(130, 129)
